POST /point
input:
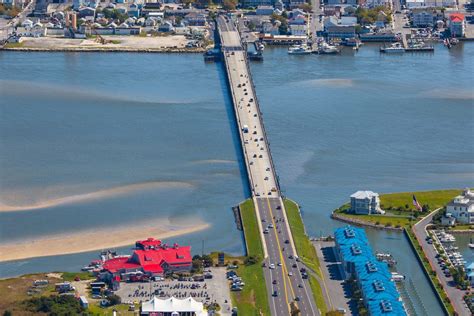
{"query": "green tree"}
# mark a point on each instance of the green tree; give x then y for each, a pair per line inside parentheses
(229, 5)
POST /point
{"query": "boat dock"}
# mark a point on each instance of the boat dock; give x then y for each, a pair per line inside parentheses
(277, 241)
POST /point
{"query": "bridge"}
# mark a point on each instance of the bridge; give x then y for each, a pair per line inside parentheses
(279, 249)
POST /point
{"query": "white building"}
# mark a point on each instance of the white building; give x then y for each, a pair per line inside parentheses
(422, 18)
(462, 207)
(365, 202)
(173, 307)
(411, 4)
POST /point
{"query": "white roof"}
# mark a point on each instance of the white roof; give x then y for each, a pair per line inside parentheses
(174, 305)
(364, 195)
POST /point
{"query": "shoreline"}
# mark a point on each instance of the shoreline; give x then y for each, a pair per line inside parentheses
(105, 50)
(359, 222)
(91, 240)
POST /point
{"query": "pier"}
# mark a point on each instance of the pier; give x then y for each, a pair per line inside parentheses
(292, 291)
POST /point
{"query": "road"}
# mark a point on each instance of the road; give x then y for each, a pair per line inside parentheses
(454, 294)
(285, 277)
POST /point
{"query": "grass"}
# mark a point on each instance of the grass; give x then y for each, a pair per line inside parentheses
(304, 247)
(121, 309)
(253, 299)
(306, 251)
(394, 221)
(435, 199)
(318, 294)
(399, 206)
(252, 234)
(70, 276)
(14, 45)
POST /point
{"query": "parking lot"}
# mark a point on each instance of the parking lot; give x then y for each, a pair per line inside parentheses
(215, 290)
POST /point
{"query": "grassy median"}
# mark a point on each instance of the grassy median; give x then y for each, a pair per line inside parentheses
(253, 299)
(304, 247)
(306, 251)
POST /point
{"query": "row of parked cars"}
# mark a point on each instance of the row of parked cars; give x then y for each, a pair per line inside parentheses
(236, 282)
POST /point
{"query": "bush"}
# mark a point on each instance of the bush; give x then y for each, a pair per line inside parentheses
(114, 299)
(55, 305)
(389, 224)
(251, 260)
(377, 223)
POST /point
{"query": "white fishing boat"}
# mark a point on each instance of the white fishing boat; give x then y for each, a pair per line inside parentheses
(397, 277)
(299, 50)
(325, 48)
(394, 48)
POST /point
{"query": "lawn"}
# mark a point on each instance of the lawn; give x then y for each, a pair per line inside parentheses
(393, 221)
(318, 294)
(70, 276)
(304, 247)
(305, 250)
(253, 299)
(252, 233)
(435, 199)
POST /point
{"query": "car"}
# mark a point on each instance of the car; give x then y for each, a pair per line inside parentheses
(275, 293)
(263, 220)
(279, 264)
(270, 225)
(295, 265)
(278, 207)
(341, 310)
(290, 257)
(304, 276)
(290, 273)
(297, 298)
(287, 241)
(300, 285)
(302, 270)
(271, 266)
(266, 178)
(266, 231)
(274, 282)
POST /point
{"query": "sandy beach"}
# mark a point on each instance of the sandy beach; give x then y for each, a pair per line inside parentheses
(90, 240)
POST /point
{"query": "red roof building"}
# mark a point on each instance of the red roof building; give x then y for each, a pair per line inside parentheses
(151, 258)
(457, 24)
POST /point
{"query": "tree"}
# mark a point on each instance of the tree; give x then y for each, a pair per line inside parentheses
(114, 299)
(197, 266)
(229, 5)
(207, 261)
(306, 7)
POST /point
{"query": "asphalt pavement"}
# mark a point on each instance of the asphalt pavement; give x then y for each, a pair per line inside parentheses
(285, 285)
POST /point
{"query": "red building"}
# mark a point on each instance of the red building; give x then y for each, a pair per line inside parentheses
(151, 258)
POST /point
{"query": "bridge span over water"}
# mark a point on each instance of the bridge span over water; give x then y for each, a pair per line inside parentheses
(278, 244)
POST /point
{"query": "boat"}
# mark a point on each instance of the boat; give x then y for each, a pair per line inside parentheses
(325, 48)
(299, 50)
(386, 257)
(397, 277)
(394, 48)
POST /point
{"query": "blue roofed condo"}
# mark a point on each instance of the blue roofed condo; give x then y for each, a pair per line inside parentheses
(373, 278)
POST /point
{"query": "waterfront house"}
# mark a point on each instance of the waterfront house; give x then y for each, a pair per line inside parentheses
(86, 11)
(411, 4)
(134, 10)
(448, 220)
(195, 19)
(166, 27)
(365, 202)
(457, 24)
(298, 30)
(173, 306)
(422, 18)
(264, 10)
(27, 23)
(470, 273)
(462, 207)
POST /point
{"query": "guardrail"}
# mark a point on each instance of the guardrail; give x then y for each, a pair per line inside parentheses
(267, 146)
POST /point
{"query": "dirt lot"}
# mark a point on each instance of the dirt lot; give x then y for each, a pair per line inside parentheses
(125, 43)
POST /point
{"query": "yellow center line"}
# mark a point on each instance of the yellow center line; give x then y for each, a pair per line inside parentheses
(285, 270)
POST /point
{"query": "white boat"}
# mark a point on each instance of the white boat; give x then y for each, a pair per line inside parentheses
(394, 48)
(325, 48)
(299, 50)
(397, 277)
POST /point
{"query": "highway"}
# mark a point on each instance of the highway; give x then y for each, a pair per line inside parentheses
(285, 285)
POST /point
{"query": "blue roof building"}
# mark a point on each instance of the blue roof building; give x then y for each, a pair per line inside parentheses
(349, 234)
(386, 308)
(372, 270)
(379, 292)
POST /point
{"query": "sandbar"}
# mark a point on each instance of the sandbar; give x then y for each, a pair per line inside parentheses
(90, 240)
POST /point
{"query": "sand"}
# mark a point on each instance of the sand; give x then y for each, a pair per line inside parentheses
(84, 241)
(94, 195)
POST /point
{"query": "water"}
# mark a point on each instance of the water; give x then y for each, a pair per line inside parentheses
(336, 124)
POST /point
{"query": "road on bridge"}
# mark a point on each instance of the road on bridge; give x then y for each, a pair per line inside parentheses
(284, 282)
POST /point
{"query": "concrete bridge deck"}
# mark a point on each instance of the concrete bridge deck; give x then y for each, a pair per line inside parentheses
(278, 244)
